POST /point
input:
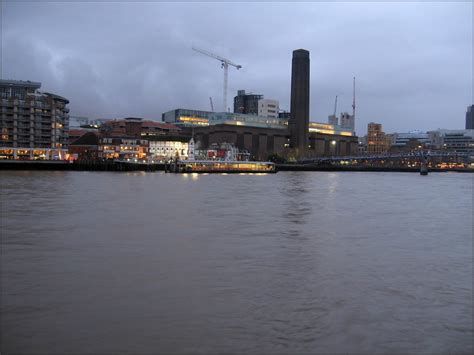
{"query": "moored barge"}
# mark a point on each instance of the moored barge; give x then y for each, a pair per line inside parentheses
(212, 166)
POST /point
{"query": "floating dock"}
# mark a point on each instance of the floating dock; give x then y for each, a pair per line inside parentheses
(212, 166)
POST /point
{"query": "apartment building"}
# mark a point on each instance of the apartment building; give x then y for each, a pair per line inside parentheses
(33, 125)
(377, 141)
(246, 103)
(268, 108)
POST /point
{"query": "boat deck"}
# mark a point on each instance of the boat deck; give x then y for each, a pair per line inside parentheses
(212, 166)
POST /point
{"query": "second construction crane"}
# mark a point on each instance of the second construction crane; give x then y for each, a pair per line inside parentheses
(224, 64)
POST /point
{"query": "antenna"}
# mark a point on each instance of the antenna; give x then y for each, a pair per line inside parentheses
(354, 99)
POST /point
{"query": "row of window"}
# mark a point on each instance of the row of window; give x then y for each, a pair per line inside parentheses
(132, 142)
(167, 149)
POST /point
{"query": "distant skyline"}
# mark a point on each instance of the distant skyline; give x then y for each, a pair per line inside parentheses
(412, 61)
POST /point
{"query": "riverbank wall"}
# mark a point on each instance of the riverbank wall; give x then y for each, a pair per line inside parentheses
(82, 165)
(131, 166)
(313, 167)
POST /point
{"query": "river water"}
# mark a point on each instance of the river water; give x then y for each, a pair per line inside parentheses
(295, 262)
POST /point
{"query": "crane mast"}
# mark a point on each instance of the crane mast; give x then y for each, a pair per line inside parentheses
(224, 64)
(354, 99)
(212, 105)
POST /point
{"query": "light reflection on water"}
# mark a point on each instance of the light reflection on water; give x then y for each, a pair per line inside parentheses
(287, 262)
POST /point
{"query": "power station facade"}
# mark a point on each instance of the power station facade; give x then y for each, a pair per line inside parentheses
(294, 135)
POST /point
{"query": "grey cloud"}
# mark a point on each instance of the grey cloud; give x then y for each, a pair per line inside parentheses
(413, 61)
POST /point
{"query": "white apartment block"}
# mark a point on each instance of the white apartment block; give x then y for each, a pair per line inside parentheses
(268, 108)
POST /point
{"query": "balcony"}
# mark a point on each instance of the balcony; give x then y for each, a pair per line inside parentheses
(7, 103)
(43, 140)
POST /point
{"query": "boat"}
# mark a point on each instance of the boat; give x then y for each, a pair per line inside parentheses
(221, 166)
(424, 165)
(423, 169)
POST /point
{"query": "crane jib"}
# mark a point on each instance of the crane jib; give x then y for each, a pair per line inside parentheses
(224, 64)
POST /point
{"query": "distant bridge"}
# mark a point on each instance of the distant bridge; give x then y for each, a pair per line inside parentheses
(458, 157)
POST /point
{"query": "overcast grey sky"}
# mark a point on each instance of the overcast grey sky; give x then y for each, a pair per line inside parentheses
(413, 61)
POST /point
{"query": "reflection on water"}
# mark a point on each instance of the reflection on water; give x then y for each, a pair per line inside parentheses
(291, 262)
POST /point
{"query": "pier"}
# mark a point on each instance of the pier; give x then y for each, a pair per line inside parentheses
(435, 162)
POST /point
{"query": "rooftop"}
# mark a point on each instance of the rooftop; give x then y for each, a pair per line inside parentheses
(168, 138)
(77, 132)
(159, 124)
(20, 83)
(57, 97)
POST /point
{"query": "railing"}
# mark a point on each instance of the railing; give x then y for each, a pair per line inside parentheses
(386, 156)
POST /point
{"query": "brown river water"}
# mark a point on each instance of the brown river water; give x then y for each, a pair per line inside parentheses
(293, 262)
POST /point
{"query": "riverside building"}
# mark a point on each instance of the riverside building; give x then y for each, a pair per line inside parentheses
(137, 127)
(86, 122)
(186, 117)
(290, 134)
(400, 140)
(246, 103)
(34, 125)
(268, 108)
(460, 141)
(377, 142)
(263, 136)
(347, 121)
(123, 148)
(470, 117)
(239, 119)
(166, 148)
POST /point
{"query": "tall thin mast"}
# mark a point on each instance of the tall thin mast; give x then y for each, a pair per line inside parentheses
(354, 99)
